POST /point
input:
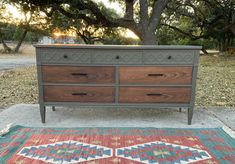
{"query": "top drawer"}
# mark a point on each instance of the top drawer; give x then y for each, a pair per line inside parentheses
(168, 57)
(64, 56)
(117, 57)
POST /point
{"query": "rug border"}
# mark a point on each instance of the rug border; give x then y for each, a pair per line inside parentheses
(229, 131)
(9, 128)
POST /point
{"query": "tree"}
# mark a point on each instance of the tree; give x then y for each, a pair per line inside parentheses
(143, 20)
(206, 19)
(5, 23)
(18, 29)
(88, 33)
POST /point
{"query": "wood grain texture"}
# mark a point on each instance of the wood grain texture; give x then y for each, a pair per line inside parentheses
(155, 75)
(78, 94)
(155, 94)
(78, 74)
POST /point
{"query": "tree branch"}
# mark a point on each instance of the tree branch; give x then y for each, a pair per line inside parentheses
(158, 8)
(100, 18)
(144, 18)
(77, 16)
(193, 37)
(129, 15)
(16, 49)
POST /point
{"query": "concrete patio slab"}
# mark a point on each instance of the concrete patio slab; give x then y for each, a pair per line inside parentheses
(225, 115)
(28, 115)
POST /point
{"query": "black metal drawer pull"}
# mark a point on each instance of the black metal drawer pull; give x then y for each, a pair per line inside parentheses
(117, 57)
(65, 56)
(154, 94)
(157, 74)
(169, 57)
(79, 74)
(79, 94)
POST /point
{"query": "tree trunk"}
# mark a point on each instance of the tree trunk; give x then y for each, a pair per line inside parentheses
(20, 41)
(204, 51)
(148, 38)
(16, 49)
(148, 24)
(6, 47)
(233, 30)
(222, 46)
(225, 43)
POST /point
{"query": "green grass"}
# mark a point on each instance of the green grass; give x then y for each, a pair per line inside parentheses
(215, 83)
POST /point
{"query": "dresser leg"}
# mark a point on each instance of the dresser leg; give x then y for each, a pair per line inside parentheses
(43, 113)
(190, 115)
(53, 108)
(180, 109)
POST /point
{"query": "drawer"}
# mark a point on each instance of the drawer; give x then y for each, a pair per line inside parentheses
(168, 57)
(154, 94)
(117, 57)
(155, 75)
(63, 56)
(79, 94)
(75, 74)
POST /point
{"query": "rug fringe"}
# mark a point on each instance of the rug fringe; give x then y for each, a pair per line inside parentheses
(229, 131)
(5, 130)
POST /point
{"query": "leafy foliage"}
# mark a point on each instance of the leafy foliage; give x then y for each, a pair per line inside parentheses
(204, 22)
(142, 20)
(17, 29)
(203, 19)
(90, 33)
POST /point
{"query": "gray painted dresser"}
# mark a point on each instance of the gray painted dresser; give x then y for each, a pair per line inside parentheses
(117, 76)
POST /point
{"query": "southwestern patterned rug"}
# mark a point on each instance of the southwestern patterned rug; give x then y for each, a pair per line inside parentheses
(23, 145)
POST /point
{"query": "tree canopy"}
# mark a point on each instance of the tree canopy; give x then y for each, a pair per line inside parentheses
(165, 21)
(18, 28)
(142, 17)
(89, 33)
(203, 19)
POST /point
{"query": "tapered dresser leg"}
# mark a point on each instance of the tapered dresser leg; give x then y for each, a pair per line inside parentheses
(43, 113)
(190, 115)
(180, 109)
(53, 108)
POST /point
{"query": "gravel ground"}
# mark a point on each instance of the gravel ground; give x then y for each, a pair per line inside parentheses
(215, 84)
(17, 86)
(216, 81)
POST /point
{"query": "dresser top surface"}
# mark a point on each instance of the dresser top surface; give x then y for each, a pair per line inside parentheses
(81, 46)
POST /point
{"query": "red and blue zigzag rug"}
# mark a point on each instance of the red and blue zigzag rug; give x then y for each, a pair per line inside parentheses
(23, 145)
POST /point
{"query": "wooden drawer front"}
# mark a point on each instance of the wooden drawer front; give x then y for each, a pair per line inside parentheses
(168, 57)
(68, 74)
(154, 95)
(156, 75)
(62, 56)
(78, 94)
(117, 57)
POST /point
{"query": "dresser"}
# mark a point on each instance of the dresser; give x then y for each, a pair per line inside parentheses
(117, 76)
